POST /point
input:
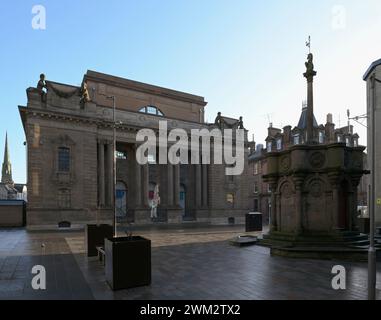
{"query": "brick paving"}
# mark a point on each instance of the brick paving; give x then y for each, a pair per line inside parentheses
(186, 264)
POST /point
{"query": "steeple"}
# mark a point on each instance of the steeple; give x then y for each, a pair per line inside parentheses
(6, 172)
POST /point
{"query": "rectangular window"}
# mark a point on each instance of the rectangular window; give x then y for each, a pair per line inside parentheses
(269, 146)
(256, 168)
(279, 144)
(296, 139)
(255, 187)
(64, 199)
(321, 137)
(348, 142)
(230, 198)
(63, 159)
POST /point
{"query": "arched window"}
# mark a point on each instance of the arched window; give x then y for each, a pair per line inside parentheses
(151, 110)
(121, 199)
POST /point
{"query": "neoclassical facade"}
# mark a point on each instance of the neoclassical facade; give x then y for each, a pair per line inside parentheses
(69, 133)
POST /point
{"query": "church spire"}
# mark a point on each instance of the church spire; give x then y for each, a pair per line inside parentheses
(6, 173)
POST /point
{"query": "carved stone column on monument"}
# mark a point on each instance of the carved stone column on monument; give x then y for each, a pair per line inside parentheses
(298, 182)
(273, 212)
(334, 180)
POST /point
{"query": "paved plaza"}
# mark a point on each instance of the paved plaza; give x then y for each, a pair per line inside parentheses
(187, 264)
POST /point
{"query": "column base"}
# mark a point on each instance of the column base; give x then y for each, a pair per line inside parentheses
(174, 215)
(142, 215)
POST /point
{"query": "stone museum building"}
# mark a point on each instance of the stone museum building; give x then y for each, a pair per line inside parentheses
(69, 134)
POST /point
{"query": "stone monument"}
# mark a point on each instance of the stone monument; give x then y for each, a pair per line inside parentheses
(314, 194)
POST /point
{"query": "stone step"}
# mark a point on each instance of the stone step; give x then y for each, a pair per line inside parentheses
(352, 254)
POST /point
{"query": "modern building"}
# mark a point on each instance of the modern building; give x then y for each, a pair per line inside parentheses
(69, 133)
(373, 93)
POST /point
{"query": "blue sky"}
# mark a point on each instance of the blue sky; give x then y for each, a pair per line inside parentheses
(245, 57)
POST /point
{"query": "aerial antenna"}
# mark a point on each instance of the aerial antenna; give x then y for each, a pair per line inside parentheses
(268, 118)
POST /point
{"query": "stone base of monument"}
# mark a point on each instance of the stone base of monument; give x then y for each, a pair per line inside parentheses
(341, 245)
(243, 241)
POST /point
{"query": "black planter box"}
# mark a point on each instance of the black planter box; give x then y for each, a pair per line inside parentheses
(364, 225)
(128, 262)
(253, 222)
(95, 237)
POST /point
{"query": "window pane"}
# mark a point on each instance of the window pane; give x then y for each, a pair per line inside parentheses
(230, 198)
(151, 110)
(121, 155)
(64, 159)
(64, 198)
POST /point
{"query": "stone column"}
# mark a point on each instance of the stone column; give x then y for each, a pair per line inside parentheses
(336, 207)
(110, 174)
(334, 179)
(138, 184)
(176, 177)
(205, 185)
(273, 216)
(101, 174)
(170, 185)
(145, 185)
(278, 209)
(299, 204)
(198, 185)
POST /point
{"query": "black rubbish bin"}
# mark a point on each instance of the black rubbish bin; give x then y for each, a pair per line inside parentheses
(253, 221)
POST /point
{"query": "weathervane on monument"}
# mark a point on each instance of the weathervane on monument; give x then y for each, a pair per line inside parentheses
(308, 44)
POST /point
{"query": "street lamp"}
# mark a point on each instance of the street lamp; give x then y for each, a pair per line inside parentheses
(114, 163)
(372, 271)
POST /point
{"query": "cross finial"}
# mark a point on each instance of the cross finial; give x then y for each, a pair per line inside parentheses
(308, 44)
